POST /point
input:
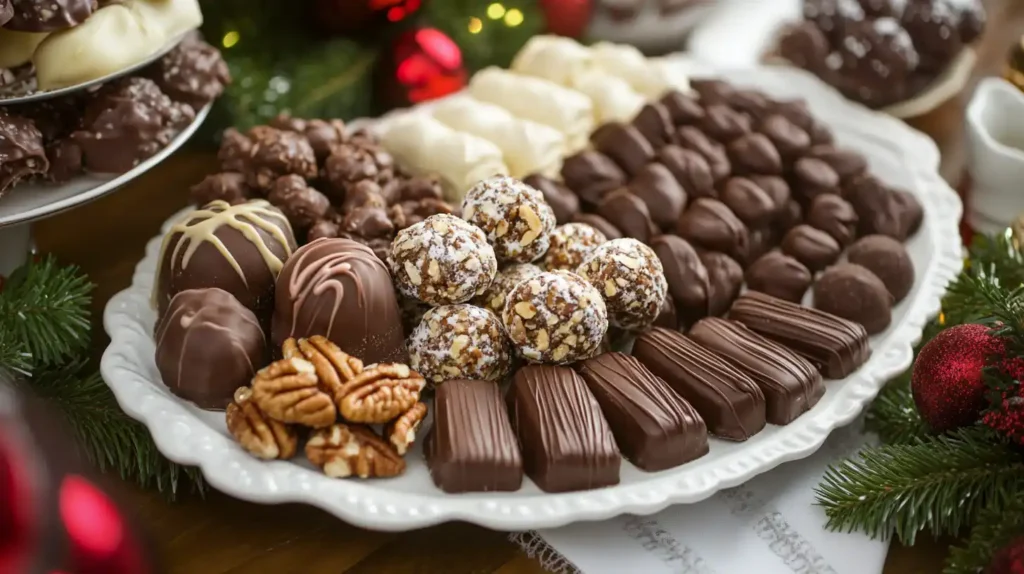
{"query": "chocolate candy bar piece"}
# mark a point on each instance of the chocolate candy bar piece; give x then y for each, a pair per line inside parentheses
(654, 427)
(566, 442)
(791, 385)
(472, 447)
(729, 402)
(836, 346)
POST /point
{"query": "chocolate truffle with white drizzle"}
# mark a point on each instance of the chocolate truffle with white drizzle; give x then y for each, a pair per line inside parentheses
(339, 289)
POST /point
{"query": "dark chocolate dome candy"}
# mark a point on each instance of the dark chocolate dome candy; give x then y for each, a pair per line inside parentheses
(852, 292)
(207, 345)
(339, 289)
(888, 260)
(238, 248)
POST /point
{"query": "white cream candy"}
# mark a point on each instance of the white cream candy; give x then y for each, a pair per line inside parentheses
(554, 58)
(422, 144)
(652, 78)
(527, 147)
(16, 48)
(539, 100)
(613, 98)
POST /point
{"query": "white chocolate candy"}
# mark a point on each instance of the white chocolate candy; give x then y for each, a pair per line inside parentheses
(423, 145)
(175, 17)
(650, 79)
(16, 48)
(613, 98)
(539, 100)
(527, 147)
(554, 58)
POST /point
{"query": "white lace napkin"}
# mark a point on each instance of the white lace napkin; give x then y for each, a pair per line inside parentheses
(769, 525)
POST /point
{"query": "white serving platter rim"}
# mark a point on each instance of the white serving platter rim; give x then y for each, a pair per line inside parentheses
(37, 200)
(183, 436)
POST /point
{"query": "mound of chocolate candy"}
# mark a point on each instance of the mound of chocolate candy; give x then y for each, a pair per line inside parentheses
(880, 52)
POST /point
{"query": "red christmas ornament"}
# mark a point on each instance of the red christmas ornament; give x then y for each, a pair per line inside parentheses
(1009, 559)
(947, 381)
(1008, 419)
(425, 64)
(568, 17)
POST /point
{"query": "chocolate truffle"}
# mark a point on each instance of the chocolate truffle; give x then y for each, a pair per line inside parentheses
(507, 278)
(21, 150)
(790, 140)
(193, 72)
(668, 317)
(590, 175)
(723, 124)
(442, 260)
(658, 188)
(812, 247)
(714, 153)
(339, 289)
(751, 204)
(655, 123)
(835, 216)
(880, 210)
(599, 223)
(710, 224)
(687, 278)
(755, 154)
(853, 292)
(460, 342)
(227, 186)
(49, 15)
(630, 277)
(127, 122)
(690, 169)
(725, 278)
(625, 145)
(779, 275)
(555, 317)
(682, 108)
(847, 164)
(562, 200)
(515, 217)
(777, 189)
(207, 346)
(888, 260)
(570, 245)
(238, 248)
(628, 213)
(301, 204)
(813, 177)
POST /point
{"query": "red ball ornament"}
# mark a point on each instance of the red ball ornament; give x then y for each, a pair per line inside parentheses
(1008, 419)
(424, 64)
(1009, 559)
(947, 381)
(567, 17)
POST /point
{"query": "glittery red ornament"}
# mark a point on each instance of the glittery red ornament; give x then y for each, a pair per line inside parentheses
(424, 64)
(1009, 559)
(1008, 419)
(567, 17)
(947, 381)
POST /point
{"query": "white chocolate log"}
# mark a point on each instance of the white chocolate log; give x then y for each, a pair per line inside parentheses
(539, 100)
(554, 58)
(422, 144)
(16, 48)
(613, 98)
(650, 79)
(527, 147)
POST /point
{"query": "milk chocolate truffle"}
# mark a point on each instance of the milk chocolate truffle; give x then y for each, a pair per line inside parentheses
(591, 175)
(628, 213)
(655, 123)
(238, 248)
(847, 164)
(49, 15)
(723, 124)
(659, 189)
(813, 177)
(713, 153)
(21, 150)
(562, 200)
(625, 145)
(852, 292)
(751, 204)
(555, 317)
(790, 140)
(127, 122)
(725, 278)
(682, 108)
(812, 247)
(460, 342)
(687, 278)
(630, 277)
(571, 244)
(710, 224)
(754, 153)
(888, 260)
(779, 275)
(506, 279)
(515, 217)
(880, 210)
(442, 260)
(193, 72)
(835, 216)
(208, 345)
(690, 169)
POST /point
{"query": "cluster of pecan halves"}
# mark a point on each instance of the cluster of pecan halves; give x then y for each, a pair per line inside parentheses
(318, 386)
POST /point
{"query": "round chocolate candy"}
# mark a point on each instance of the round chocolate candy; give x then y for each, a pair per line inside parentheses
(682, 108)
(812, 247)
(599, 223)
(710, 224)
(207, 345)
(880, 210)
(555, 317)
(654, 122)
(238, 248)
(339, 289)
(591, 175)
(460, 342)
(779, 275)
(506, 279)
(776, 188)
(442, 260)
(570, 245)
(835, 216)
(630, 277)
(515, 217)
(888, 260)
(852, 292)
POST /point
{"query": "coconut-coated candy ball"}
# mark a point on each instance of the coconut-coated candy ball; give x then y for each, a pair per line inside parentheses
(515, 217)
(570, 245)
(460, 342)
(630, 277)
(506, 279)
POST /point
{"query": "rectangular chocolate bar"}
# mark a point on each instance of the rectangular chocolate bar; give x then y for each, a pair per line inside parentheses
(731, 405)
(791, 385)
(836, 346)
(566, 442)
(471, 447)
(654, 427)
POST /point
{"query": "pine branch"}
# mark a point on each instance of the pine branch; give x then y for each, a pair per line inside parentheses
(995, 527)
(14, 355)
(893, 416)
(937, 484)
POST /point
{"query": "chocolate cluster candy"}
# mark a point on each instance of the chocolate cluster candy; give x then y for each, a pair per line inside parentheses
(460, 342)
(48, 15)
(630, 277)
(21, 150)
(194, 72)
(853, 292)
(515, 217)
(881, 52)
(207, 346)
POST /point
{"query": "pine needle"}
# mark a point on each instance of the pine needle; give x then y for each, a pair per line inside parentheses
(936, 484)
(894, 417)
(996, 527)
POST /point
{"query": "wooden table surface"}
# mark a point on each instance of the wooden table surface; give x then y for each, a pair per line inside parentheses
(219, 534)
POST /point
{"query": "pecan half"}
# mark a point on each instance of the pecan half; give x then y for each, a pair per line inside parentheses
(380, 393)
(288, 391)
(353, 450)
(258, 434)
(334, 367)
(401, 432)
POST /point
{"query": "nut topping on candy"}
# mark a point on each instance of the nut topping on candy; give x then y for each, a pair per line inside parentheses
(343, 450)
(401, 432)
(259, 435)
(333, 366)
(380, 393)
(288, 391)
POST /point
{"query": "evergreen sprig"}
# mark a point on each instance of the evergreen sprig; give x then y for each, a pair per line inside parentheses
(996, 527)
(893, 416)
(938, 484)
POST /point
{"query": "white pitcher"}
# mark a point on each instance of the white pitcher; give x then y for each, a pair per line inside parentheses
(995, 149)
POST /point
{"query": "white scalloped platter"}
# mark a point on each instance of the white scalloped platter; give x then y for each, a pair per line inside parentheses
(898, 154)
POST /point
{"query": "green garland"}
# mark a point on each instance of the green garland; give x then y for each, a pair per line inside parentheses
(970, 481)
(45, 339)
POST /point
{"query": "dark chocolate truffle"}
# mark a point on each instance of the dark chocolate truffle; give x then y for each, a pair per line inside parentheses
(723, 124)
(690, 169)
(714, 154)
(21, 150)
(591, 174)
(725, 278)
(682, 108)
(812, 247)
(813, 177)
(852, 292)
(888, 260)
(599, 223)
(207, 346)
(779, 275)
(339, 289)
(628, 213)
(625, 145)
(302, 204)
(756, 154)
(49, 15)
(562, 200)
(710, 224)
(688, 283)
(751, 204)
(880, 210)
(193, 72)
(835, 216)
(658, 188)
(654, 122)
(238, 248)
